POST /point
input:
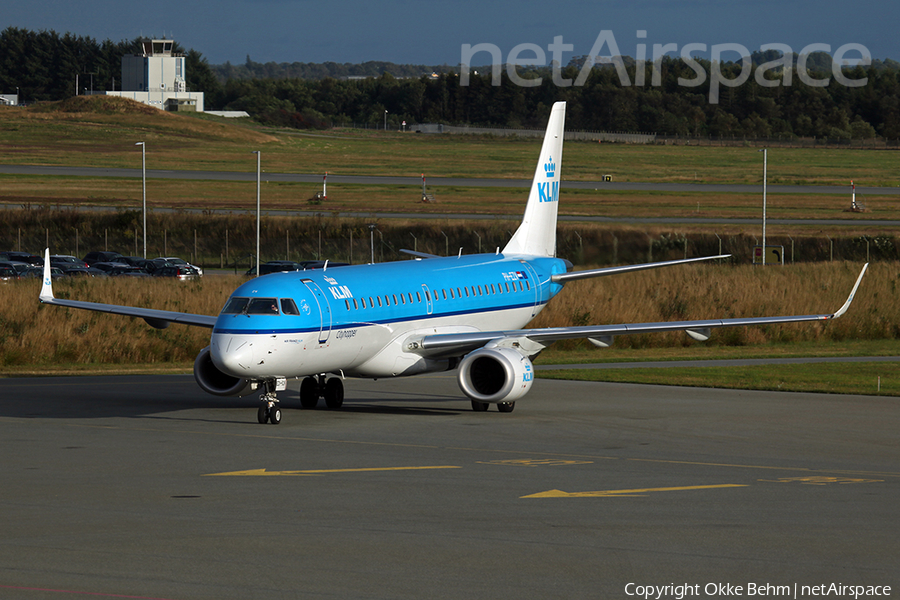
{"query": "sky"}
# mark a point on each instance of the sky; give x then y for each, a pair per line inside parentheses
(431, 32)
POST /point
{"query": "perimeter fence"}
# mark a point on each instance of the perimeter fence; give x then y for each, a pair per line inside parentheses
(229, 241)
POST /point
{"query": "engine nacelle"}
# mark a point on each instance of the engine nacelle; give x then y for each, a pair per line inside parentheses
(213, 381)
(495, 375)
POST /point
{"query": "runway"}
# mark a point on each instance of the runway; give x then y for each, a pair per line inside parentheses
(145, 487)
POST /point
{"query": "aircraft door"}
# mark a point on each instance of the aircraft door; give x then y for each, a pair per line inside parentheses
(429, 306)
(535, 287)
(323, 307)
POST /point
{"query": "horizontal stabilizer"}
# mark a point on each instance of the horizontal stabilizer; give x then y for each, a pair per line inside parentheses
(574, 275)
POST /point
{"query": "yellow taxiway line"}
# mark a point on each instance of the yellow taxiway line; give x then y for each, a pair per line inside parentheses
(611, 493)
(265, 473)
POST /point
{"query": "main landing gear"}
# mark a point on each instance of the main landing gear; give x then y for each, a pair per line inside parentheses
(313, 388)
(503, 407)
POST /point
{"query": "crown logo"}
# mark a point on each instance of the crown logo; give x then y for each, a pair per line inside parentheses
(550, 168)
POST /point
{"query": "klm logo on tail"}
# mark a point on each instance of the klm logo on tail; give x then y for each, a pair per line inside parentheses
(548, 191)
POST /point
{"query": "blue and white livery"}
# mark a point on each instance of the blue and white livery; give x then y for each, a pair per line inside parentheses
(409, 317)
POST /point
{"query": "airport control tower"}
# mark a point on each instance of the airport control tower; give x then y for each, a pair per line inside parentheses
(156, 76)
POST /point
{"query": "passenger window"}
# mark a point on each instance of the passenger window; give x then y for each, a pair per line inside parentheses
(289, 307)
(444, 292)
(379, 301)
(528, 285)
(387, 300)
(348, 304)
(410, 297)
(418, 296)
(507, 288)
(451, 293)
(492, 289)
(395, 299)
(363, 301)
(355, 305)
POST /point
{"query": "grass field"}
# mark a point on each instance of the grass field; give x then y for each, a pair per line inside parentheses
(49, 136)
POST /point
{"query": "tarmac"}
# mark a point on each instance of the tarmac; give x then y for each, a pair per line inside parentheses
(145, 487)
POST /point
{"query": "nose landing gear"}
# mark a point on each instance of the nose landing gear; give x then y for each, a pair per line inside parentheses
(269, 411)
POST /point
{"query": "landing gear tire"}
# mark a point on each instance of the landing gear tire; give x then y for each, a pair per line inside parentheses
(262, 415)
(334, 393)
(506, 407)
(275, 415)
(309, 392)
(479, 406)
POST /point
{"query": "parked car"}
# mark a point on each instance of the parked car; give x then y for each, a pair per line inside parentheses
(120, 269)
(66, 262)
(8, 274)
(25, 257)
(76, 271)
(179, 262)
(18, 267)
(275, 266)
(318, 264)
(144, 264)
(38, 273)
(99, 256)
(182, 273)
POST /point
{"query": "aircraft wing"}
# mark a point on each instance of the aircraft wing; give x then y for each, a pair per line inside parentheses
(451, 344)
(155, 318)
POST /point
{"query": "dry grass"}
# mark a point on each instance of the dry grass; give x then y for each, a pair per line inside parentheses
(713, 291)
(33, 334)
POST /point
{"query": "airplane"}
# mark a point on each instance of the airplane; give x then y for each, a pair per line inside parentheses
(402, 318)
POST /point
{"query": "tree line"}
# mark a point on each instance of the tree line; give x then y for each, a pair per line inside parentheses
(777, 103)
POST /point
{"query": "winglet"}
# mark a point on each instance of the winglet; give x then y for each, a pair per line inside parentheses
(846, 305)
(47, 288)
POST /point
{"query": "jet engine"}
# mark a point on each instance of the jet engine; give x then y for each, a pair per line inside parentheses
(495, 375)
(213, 381)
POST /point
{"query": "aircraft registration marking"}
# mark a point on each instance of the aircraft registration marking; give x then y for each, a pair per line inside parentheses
(627, 493)
(266, 473)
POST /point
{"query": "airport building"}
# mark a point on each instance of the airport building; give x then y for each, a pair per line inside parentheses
(157, 77)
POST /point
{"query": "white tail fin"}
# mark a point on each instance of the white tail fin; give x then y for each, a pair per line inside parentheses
(536, 236)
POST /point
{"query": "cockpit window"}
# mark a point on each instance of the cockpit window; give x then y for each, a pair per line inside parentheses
(262, 306)
(251, 306)
(235, 306)
(289, 307)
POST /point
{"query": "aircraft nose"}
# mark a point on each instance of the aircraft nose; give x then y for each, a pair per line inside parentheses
(232, 354)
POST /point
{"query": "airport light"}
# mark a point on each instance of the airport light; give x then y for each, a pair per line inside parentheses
(258, 161)
(372, 240)
(765, 168)
(385, 120)
(144, 186)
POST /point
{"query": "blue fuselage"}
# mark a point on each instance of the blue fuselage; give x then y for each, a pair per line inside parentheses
(353, 319)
